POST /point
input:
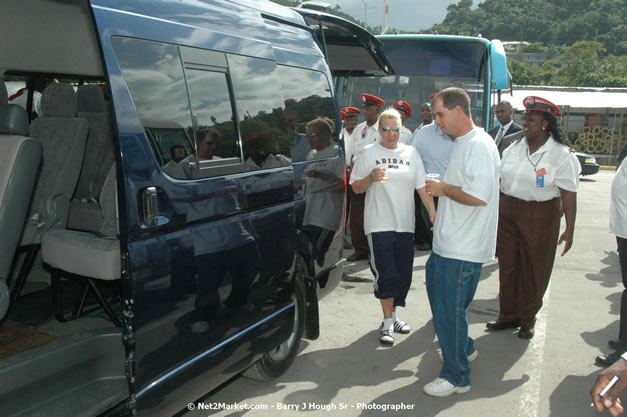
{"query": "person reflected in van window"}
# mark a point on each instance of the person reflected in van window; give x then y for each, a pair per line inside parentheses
(257, 146)
(173, 168)
(299, 146)
(318, 135)
(228, 251)
(324, 180)
(207, 141)
(177, 153)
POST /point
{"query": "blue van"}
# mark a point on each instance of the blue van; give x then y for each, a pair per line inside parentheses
(173, 196)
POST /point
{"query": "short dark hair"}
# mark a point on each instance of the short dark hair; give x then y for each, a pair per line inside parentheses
(173, 149)
(507, 104)
(455, 96)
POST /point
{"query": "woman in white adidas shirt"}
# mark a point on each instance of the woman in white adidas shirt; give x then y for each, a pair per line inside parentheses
(538, 173)
(388, 172)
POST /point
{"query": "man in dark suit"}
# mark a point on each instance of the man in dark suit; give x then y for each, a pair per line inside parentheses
(504, 113)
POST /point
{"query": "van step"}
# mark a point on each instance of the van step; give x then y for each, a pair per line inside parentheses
(82, 375)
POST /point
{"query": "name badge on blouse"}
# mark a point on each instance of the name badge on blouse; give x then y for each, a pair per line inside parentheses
(540, 178)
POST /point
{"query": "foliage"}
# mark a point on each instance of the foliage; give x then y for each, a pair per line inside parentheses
(595, 31)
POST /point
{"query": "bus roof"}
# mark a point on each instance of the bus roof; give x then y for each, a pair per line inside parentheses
(434, 37)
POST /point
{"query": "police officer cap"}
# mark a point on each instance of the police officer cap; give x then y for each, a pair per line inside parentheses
(349, 111)
(369, 99)
(534, 103)
(403, 105)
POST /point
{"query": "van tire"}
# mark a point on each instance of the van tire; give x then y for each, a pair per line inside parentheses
(274, 363)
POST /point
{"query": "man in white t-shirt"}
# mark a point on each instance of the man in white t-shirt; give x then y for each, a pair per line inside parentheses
(464, 235)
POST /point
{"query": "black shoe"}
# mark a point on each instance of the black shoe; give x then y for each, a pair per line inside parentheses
(502, 325)
(617, 345)
(607, 360)
(526, 332)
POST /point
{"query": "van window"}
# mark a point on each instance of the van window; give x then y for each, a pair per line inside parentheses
(155, 78)
(307, 96)
(217, 143)
(260, 111)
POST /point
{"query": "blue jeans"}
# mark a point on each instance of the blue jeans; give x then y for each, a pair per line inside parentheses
(451, 286)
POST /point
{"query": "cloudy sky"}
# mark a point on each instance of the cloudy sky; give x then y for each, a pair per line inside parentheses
(411, 15)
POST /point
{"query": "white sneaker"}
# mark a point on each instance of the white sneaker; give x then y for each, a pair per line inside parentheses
(401, 327)
(386, 338)
(471, 357)
(440, 387)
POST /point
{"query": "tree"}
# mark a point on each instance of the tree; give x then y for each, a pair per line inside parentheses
(581, 58)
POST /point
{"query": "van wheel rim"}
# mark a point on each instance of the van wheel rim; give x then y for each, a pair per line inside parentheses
(282, 351)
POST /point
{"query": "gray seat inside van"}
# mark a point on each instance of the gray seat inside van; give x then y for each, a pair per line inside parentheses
(86, 255)
(85, 213)
(62, 136)
(20, 157)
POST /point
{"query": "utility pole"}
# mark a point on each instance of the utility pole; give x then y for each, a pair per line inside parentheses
(385, 15)
(365, 13)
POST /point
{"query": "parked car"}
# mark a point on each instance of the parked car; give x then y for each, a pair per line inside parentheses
(588, 163)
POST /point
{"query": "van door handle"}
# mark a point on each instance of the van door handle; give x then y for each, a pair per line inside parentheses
(151, 206)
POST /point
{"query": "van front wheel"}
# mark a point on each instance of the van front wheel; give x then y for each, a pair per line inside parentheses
(276, 362)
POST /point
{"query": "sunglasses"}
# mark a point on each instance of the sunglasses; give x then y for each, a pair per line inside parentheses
(393, 129)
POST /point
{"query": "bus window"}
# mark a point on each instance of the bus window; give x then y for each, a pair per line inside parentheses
(425, 64)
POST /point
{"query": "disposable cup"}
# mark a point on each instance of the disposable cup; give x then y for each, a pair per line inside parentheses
(433, 177)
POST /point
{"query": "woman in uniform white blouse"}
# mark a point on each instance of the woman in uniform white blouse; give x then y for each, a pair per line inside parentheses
(539, 179)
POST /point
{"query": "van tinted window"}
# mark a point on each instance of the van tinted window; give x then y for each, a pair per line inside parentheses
(154, 75)
(217, 143)
(307, 96)
(260, 112)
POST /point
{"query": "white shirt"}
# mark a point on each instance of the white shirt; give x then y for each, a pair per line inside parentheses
(406, 136)
(555, 167)
(434, 147)
(349, 139)
(389, 206)
(324, 189)
(461, 231)
(502, 130)
(618, 203)
(364, 135)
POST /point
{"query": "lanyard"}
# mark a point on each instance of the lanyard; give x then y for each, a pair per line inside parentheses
(537, 162)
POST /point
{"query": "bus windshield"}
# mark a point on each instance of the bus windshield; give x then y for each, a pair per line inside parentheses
(424, 65)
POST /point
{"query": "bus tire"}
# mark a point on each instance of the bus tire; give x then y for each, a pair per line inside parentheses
(274, 363)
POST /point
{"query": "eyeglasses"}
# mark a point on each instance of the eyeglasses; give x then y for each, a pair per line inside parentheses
(393, 129)
(312, 135)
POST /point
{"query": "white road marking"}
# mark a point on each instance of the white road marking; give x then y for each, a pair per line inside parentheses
(530, 399)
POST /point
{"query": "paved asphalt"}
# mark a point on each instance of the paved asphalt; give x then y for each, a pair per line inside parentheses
(347, 373)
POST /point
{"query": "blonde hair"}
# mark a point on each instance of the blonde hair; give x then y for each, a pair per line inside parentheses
(322, 125)
(390, 113)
